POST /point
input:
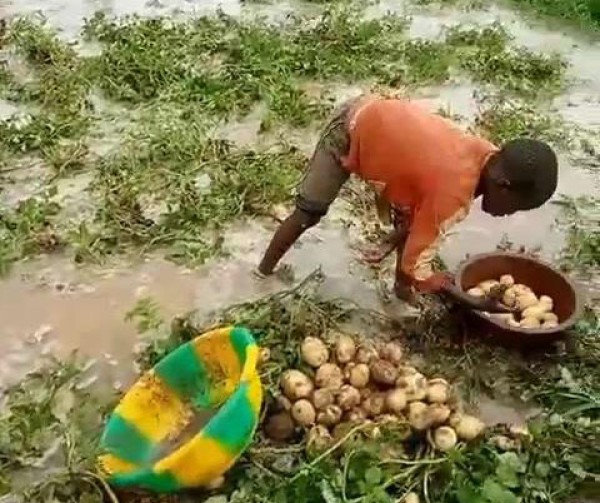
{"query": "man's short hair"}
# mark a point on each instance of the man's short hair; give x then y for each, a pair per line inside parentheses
(531, 168)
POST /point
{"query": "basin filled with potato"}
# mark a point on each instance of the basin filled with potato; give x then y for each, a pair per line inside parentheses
(545, 301)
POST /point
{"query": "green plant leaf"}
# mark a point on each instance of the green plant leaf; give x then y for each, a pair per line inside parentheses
(373, 476)
(468, 494)
(327, 492)
(493, 492)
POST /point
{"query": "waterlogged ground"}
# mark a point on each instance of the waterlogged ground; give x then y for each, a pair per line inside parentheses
(120, 205)
(52, 306)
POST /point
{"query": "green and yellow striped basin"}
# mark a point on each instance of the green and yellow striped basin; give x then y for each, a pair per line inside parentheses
(217, 370)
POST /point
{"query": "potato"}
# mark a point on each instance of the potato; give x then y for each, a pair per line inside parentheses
(392, 352)
(414, 385)
(444, 438)
(411, 498)
(503, 443)
(437, 414)
(487, 285)
(536, 311)
(547, 301)
(469, 427)
(437, 391)
(374, 404)
(318, 439)
(519, 431)
(395, 400)
(264, 355)
(322, 398)
(387, 419)
(383, 372)
(366, 354)
(521, 289)
(345, 348)
(356, 415)
(329, 375)
(303, 412)
(509, 297)
(280, 426)
(526, 300)
(330, 416)
(507, 280)
(417, 416)
(359, 375)
(530, 323)
(296, 385)
(455, 418)
(314, 352)
(365, 393)
(348, 397)
(550, 317)
(406, 370)
(476, 292)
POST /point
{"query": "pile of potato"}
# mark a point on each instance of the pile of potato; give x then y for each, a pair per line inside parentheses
(353, 384)
(533, 312)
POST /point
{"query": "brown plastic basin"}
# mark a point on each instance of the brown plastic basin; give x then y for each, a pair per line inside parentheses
(541, 277)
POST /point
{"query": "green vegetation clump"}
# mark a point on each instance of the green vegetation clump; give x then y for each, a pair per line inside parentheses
(581, 219)
(501, 119)
(57, 93)
(586, 13)
(28, 230)
(486, 54)
(172, 185)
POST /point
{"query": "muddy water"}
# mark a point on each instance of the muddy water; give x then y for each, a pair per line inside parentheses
(59, 308)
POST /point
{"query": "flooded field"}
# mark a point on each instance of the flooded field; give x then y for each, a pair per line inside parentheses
(122, 178)
(48, 292)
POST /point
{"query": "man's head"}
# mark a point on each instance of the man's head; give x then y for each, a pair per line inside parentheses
(521, 176)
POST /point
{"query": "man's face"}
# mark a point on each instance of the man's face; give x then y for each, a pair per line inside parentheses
(498, 200)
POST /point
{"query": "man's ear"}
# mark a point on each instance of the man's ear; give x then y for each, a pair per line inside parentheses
(503, 182)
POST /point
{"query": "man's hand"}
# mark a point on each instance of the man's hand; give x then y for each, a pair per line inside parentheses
(376, 255)
(387, 246)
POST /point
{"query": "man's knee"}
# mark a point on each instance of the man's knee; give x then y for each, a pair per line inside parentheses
(308, 219)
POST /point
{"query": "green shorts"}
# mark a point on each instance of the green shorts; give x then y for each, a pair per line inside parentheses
(325, 174)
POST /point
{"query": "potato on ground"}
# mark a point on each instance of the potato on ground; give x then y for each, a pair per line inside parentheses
(314, 352)
(345, 348)
(383, 372)
(304, 413)
(296, 385)
(329, 375)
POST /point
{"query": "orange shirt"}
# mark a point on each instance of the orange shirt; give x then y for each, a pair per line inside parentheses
(421, 162)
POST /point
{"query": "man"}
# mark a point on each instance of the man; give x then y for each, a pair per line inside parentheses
(429, 172)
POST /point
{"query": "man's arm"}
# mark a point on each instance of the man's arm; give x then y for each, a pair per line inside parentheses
(415, 264)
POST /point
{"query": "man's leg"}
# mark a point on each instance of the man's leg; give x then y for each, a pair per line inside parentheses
(320, 186)
(402, 288)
